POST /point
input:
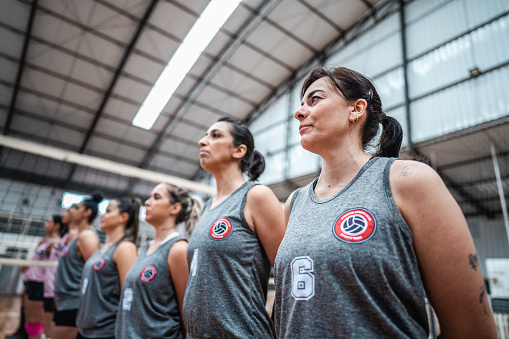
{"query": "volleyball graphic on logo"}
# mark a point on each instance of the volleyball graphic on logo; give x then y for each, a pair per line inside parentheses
(355, 226)
(220, 229)
(99, 264)
(148, 273)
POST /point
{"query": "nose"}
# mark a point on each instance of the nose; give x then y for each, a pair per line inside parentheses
(202, 141)
(301, 113)
(147, 202)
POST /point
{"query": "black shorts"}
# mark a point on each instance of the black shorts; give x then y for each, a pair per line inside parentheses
(49, 305)
(35, 290)
(65, 318)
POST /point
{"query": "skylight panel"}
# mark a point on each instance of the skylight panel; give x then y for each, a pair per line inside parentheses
(206, 27)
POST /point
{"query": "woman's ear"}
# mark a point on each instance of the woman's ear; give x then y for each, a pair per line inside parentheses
(125, 217)
(358, 108)
(87, 212)
(175, 208)
(239, 151)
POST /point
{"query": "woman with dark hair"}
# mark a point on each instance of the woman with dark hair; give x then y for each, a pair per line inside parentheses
(81, 243)
(103, 275)
(372, 237)
(151, 300)
(235, 242)
(57, 227)
(35, 303)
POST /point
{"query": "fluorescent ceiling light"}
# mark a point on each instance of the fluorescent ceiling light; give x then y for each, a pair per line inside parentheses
(198, 38)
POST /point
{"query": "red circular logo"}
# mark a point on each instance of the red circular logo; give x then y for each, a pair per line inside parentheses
(355, 226)
(149, 273)
(99, 264)
(221, 229)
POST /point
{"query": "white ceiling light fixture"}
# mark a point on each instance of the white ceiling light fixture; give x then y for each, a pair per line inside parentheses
(208, 24)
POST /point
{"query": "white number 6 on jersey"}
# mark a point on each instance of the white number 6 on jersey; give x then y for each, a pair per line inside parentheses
(303, 279)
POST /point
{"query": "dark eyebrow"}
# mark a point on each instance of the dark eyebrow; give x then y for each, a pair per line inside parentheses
(212, 131)
(310, 94)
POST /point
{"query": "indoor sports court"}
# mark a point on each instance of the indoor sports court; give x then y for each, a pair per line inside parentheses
(116, 95)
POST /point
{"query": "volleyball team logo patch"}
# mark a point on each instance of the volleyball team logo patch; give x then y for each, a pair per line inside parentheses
(220, 229)
(355, 226)
(149, 273)
(99, 264)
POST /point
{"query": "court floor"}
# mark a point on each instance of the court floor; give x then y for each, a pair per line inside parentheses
(10, 307)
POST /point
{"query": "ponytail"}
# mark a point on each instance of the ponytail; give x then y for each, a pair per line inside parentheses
(191, 208)
(256, 166)
(391, 138)
(131, 206)
(194, 212)
(92, 202)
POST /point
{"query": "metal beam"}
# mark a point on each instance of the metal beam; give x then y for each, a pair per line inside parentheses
(324, 18)
(409, 145)
(101, 164)
(458, 188)
(118, 72)
(315, 60)
(266, 7)
(21, 68)
(500, 189)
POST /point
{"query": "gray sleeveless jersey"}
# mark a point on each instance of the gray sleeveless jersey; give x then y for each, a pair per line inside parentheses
(228, 275)
(346, 267)
(68, 277)
(148, 304)
(100, 294)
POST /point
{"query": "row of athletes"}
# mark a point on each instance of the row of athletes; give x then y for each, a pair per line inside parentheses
(355, 253)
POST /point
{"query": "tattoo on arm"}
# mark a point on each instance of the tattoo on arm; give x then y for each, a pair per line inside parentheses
(405, 172)
(481, 298)
(474, 262)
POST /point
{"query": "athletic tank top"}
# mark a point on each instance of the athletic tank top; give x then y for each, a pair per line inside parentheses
(228, 275)
(68, 277)
(100, 294)
(346, 267)
(50, 272)
(37, 273)
(148, 305)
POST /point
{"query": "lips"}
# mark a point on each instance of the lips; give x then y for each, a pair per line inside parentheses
(303, 127)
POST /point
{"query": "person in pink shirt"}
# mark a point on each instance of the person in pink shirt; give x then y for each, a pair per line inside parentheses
(56, 229)
(34, 278)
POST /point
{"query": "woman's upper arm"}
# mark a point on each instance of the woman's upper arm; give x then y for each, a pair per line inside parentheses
(179, 270)
(264, 210)
(88, 244)
(124, 257)
(445, 251)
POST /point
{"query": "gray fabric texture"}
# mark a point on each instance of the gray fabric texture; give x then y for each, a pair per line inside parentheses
(228, 275)
(68, 277)
(100, 294)
(148, 303)
(346, 267)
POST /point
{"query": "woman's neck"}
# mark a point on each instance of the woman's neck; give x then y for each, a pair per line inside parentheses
(83, 225)
(164, 230)
(227, 182)
(53, 235)
(115, 234)
(338, 171)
